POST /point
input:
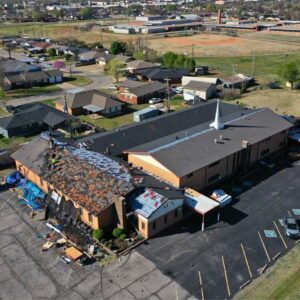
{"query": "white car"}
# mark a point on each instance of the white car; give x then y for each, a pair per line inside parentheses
(154, 100)
(221, 197)
(112, 86)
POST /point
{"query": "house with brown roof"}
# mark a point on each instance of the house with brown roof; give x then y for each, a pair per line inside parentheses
(140, 92)
(138, 65)
(79, 101)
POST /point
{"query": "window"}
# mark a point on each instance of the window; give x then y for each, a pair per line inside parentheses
(214, 164)
(90, 218)
(189, 175)
(154, 225)
(213, 178)
(264, 152)
(166, 218)
(143, 225)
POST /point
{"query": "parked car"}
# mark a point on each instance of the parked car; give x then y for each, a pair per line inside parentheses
(78, 63)
(291, 227)
(177, 90)
(64, 259)
(112, 86)
(155, 100)
(221, 197)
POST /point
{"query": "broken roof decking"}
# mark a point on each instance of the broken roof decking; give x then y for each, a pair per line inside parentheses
(147, 203)
(199, 202)
(88, 178)
(183, 155)
(133, 135)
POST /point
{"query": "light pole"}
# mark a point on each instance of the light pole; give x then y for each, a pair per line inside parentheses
(168, 90)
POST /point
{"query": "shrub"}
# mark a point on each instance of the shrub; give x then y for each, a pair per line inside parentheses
(122, 236)
(117, 232)
(97, 234)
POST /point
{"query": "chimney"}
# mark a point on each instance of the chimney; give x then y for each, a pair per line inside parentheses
(216, 124)
(219, 18)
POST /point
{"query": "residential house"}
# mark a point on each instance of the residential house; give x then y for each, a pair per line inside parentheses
(33, 120)
(80, 101)
(213, 80)
(137, 65)
(105, 58)
(239, 81)
(55, 76)
(198, 90)
(142, 93)
(163, 75)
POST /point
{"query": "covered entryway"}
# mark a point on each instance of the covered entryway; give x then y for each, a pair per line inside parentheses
(201, 204)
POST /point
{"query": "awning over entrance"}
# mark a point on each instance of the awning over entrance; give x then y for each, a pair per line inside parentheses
(92, 108)
(199, 203)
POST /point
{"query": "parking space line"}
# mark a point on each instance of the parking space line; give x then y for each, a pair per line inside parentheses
(263, 244)
(289, 213)
(283, 241)
(246, 260)
(201, 286)
(226, 278)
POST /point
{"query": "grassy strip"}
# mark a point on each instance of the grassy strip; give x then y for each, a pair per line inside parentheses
(282, 281)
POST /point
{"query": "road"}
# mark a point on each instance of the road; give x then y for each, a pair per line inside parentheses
(28, 273)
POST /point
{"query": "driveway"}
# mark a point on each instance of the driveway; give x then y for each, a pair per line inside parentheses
(28, 273)
(216, 263)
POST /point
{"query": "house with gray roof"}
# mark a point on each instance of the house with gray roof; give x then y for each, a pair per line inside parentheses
(79, 101)
(199, 90)
(33, 120)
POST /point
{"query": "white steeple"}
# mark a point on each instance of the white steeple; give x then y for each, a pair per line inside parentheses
(216, 123)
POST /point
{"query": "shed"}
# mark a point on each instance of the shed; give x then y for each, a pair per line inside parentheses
(145, 114)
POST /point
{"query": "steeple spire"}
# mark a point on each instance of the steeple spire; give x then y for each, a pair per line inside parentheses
(217, 124)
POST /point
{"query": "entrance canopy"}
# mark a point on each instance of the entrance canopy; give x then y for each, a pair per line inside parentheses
(92, 108)
(199, 202)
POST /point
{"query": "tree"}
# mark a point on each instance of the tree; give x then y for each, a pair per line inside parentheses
(117, 47)
(58, 64)
(86, 12)
(139, 55)
(36, 15)
(168, 59)
(9, 48)
(51, 52)
(152, 55)
(114, 68)
(290, 72)
(190, 64)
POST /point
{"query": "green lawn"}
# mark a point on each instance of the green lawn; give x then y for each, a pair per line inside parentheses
(266, 66)
(13, 142)
(282, 281)
(127, 116)
(33, 91)
(78, 80)
(50, 102)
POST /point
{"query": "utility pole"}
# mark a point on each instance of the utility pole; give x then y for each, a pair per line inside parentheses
(68, 116)
(168, 89)
(233, 74)
(253, 63)
(193, 51)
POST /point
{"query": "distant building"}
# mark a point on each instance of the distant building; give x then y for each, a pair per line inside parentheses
(198, 90)
(80, 101)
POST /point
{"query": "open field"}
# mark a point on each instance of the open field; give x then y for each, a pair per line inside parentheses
(283, 101)
(282, 281)
(265, 68)
(216, 45)
(275, 36)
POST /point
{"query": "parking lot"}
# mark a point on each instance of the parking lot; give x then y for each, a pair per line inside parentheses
(216, 263)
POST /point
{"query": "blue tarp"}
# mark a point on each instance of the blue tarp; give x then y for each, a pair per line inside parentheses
(13, 178)
(30, 194)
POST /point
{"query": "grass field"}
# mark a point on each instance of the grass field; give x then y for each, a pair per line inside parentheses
(282, 281)
(78, 80)
(265, 67)
(216, 45)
